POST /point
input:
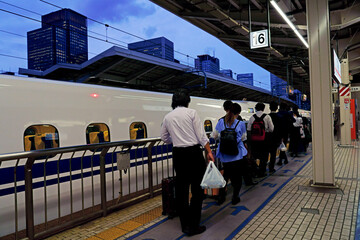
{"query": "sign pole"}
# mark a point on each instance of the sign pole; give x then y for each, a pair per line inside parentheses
(345, 96)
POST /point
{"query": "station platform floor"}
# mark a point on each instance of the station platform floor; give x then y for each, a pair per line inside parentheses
(280, 206)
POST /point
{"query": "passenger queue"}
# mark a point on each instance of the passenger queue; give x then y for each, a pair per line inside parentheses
(242, 151)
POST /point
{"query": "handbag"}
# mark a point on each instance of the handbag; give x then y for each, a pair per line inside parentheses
(212, 177)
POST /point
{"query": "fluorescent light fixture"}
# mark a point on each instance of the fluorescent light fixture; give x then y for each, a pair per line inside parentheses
(287, 20)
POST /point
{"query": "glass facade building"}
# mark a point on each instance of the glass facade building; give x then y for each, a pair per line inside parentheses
(158, 47)
(61, 39)
(227, 73)
(207, 63)
(247, 78)
(278, 86)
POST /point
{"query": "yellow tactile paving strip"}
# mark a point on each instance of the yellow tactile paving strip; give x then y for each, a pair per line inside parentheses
(126, 221)
(130, 225)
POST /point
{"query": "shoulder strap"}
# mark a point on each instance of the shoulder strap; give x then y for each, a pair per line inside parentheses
(256, 117)
(236, 124)
(263, 116)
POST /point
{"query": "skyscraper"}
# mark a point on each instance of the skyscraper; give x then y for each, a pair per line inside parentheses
(227, 72)
(247, 78)
(159, 47)
(207, 63)
(61, 39)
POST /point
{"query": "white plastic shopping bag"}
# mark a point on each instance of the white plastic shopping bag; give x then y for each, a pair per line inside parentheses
(212, 177)
(282, 147)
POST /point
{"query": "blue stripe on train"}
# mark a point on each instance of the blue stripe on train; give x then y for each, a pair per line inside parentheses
(64, 167)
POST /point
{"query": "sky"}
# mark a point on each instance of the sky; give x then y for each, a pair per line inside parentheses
(141, 18)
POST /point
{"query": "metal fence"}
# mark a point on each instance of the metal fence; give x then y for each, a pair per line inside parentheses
(46, 191)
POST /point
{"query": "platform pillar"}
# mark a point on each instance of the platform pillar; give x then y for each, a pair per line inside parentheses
(317, 13)
(345, 128)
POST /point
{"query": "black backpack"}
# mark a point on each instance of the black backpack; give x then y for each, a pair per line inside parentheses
(228, 141)
(258, 129)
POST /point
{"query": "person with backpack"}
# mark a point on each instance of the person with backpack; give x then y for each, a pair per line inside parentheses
(259, 124)
(247, 175)
(231, 151)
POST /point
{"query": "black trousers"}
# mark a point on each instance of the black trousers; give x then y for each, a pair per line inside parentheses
(189, 164)
(234, 171)
(272, 150)
(260, 151)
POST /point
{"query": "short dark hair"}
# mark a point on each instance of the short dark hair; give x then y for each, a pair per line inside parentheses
(273, 106)
(283, 106)
(235, 108)
(227, 105)
(181, 98)
(260, 106)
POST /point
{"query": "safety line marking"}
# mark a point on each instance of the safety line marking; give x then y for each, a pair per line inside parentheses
(226, 205)
(241, 226)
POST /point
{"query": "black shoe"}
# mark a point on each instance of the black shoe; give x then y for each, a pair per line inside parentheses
(271, 171)
(251, 183)
(192, 232)
(221, 200)
(279, 163)
(286, 162)
(260, 175)
(235, 200)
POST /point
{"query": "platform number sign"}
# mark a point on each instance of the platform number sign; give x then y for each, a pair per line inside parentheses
(259, 39)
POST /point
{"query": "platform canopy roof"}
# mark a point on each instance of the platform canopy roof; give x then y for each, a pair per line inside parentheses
(228, 20)
(121, 67)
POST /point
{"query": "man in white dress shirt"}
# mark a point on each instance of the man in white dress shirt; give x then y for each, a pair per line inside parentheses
(183, 128)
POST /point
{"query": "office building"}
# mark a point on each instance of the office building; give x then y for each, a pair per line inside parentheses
(158, 47)
(61, 39)
(278, 86)
(207, 63)
(226, 73)
(247, 78)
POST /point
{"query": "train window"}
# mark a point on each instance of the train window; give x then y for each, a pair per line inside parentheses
(42, 136)
(251, 110)
(138, 130)
(208, 126)
(97, 133)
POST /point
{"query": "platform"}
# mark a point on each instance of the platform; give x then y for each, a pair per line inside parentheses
(281, 206)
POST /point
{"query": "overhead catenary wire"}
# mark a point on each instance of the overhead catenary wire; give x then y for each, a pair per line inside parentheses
(117, 29)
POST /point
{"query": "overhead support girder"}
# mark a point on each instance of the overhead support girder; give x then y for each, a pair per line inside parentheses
(137, 75)
(101, 70)
(213, 9)
(344, 18)
(163, 79)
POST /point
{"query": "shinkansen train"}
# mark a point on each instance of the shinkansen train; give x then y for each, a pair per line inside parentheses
(41, 114)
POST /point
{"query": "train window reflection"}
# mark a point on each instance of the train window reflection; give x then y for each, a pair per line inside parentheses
(208, 126)
(42, 136)
(97, 133)
(251, 110)
(138, 130)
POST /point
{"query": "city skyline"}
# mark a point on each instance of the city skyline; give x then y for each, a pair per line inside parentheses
(126, 19)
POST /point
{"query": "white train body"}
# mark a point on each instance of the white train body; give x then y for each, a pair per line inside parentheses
(71, 108)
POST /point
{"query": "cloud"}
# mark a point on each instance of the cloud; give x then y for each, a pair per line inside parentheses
(115, 10)
(150, 31)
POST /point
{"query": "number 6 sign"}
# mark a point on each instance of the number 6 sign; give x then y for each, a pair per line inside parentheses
(259, 39)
